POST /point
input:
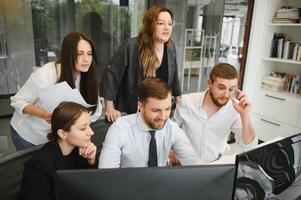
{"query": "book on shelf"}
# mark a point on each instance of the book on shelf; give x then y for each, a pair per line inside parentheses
(295, 51)
(299, 54)
(280, 48)
(290, 51)
(287, 14)
(283, 48)
(292, 84)
(272, 83)
(275, 44)
(279, 82)
(285, 20)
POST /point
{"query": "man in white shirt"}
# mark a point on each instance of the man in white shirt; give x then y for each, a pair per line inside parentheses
(208, 117)
(147, 137)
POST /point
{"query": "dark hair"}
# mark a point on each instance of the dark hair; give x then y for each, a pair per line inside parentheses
(153, 87)
(88, 82)
(223, 70)
(64, 116)
(148, 57)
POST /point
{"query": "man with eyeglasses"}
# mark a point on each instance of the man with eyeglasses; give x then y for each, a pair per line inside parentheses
(209, 117)
(151, 54)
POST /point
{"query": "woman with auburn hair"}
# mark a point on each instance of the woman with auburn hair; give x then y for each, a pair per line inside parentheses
(70, 147)
(30, 122)
(151, 54)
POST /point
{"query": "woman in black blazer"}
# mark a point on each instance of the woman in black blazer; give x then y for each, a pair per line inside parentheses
(151, 54)
(70, 147)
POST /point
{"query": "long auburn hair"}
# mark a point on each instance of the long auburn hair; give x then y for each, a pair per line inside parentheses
(148, 58)
(89, 86)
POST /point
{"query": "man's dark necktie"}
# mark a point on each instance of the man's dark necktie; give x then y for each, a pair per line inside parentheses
(152, 156)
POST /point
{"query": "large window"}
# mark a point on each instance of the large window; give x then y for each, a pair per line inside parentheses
(31, 32)
(207, 32)
(107, 23)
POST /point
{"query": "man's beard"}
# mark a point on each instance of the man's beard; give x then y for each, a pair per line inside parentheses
(215, 100)
(154, 125)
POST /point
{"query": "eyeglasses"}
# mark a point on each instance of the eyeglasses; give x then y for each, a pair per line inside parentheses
(163, 23)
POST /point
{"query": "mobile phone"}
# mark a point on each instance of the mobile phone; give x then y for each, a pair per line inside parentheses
(234, 93)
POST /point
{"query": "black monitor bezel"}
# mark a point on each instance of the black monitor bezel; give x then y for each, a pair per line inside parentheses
(126, 170)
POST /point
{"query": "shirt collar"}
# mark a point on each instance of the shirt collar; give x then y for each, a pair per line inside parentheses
(141, 124)
(77, 80)
(201, 99)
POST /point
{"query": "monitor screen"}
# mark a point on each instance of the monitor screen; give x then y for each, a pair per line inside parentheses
(161, 183)
(271, 171)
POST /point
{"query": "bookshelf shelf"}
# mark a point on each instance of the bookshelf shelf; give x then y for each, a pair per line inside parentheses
(282, 95)
(285, 24)
(282, 60)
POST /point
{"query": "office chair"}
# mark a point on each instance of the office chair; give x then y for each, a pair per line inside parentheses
(100, 128)
(11, 172)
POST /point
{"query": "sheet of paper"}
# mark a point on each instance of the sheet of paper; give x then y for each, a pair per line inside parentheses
(52, 96)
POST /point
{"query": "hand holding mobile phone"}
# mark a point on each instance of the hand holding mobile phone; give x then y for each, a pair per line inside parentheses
(234, 93)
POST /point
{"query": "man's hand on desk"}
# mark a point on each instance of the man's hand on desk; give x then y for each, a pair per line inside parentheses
(173, 159)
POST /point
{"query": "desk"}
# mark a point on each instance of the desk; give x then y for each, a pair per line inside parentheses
(230, 159)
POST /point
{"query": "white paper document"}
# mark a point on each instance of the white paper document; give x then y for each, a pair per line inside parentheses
(52, 96)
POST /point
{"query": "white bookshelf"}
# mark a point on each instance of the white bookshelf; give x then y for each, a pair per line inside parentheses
(285, 24)
(274, 114)
(281, 60)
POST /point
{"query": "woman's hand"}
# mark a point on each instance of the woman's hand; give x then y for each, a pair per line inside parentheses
(89, 153)
(39, 112)
(46, 115)
(111, 113)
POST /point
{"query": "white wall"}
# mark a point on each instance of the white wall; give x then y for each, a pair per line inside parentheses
(255, 50)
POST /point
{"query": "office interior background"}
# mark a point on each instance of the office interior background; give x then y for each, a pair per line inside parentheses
(206, 32)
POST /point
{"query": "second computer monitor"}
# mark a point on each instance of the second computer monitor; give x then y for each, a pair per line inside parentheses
(269, 172)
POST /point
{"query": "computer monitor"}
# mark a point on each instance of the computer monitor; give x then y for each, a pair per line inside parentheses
(271, 171)
(161, 183)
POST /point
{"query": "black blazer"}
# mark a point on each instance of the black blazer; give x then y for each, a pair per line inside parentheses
(39, 172)
(123, 75)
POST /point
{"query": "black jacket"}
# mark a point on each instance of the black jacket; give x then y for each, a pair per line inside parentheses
(39, 172)
(123, 74)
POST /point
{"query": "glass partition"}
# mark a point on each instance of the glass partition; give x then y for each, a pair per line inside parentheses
(31, 33)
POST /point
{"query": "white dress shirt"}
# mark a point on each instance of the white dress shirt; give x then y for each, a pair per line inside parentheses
(209, 136)
(127, 144)
(31, 128)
